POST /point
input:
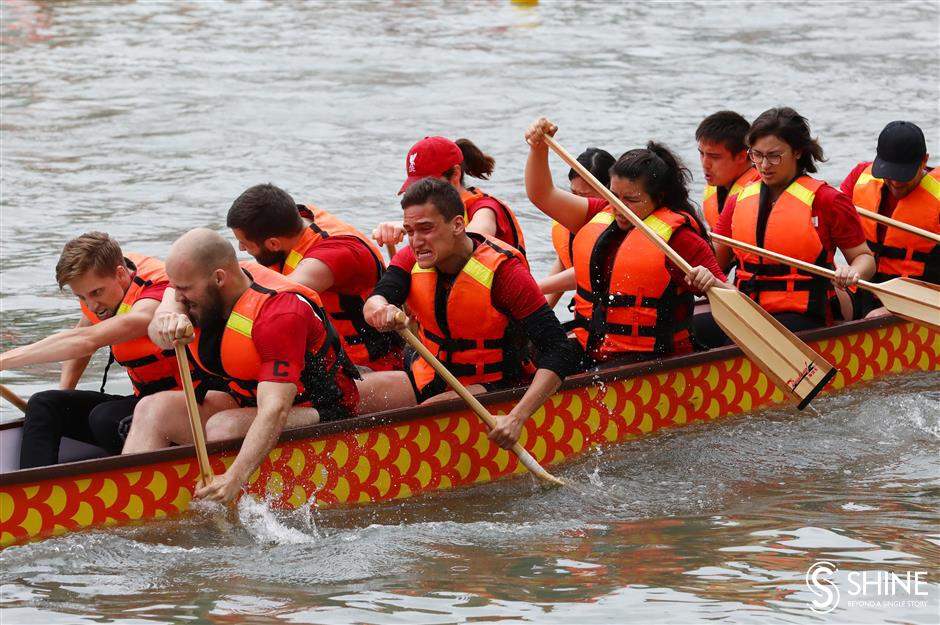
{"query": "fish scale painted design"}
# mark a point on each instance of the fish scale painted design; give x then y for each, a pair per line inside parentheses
(436, 453)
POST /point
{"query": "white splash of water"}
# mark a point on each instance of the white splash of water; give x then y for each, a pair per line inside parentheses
(263, 523)
(595, 477)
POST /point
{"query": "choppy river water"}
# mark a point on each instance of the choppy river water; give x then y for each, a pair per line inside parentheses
(145, 119)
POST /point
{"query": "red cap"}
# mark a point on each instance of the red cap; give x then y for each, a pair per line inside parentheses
(431, 156)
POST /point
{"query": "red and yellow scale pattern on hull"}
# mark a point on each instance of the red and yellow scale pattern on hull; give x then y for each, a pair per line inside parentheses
(399, 460)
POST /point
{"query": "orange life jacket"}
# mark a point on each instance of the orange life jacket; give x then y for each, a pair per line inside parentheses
(476, 198)
(710, 208)
(460, 325)
(363, 343)
(150, 368)
(562, 240)
(788, 229)
(901, 254)
(236, 361)
(634, 307)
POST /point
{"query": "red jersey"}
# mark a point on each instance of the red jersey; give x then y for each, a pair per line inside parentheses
(285, 330)
(350, 261)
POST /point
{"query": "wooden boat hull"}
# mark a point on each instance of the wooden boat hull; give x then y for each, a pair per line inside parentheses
(399, 454)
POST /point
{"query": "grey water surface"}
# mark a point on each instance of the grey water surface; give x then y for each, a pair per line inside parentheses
(146, 119)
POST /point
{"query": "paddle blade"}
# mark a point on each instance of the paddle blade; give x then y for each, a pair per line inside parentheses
(783, 358)
(912, 299)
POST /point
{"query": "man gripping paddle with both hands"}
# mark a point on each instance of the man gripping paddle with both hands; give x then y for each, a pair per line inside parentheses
(266, 358)
(475, 301)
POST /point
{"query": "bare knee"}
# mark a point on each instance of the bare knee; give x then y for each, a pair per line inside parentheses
(148, 427)
(147, 407)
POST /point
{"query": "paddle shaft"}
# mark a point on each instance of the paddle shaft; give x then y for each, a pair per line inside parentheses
(524, 456)
(911, 299)
(390, 250)
(900, 225)
(615, 202)
(13, 398)
(787, 260)
(195, 422)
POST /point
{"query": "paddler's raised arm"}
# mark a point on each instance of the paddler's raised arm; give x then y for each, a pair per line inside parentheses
(566, 208)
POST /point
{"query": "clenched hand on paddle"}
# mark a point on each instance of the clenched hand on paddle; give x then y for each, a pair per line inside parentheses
(784, 358)
(183, 330)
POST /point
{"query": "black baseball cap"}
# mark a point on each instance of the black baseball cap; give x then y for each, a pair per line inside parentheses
(901, 150)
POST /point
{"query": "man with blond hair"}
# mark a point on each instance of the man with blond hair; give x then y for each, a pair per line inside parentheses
(118, 295)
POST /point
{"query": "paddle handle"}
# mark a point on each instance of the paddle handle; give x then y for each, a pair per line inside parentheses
(390, 250)
(13, 398)
(195, 423)
(614, 201)
(524, 456)
(787, 260)
(900, 225)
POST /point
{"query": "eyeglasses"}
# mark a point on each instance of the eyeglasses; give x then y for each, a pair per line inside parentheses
(757, 157)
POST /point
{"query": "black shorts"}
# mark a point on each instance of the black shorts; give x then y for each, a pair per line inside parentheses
(438, 385)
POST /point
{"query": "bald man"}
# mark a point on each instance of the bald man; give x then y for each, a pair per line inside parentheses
(265, 353)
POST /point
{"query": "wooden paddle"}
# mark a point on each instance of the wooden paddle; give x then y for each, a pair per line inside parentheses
(473, 403)
(195, 422)
(13, 398)
(390, 250)
(912, 299)
(898, 224)
(783, 358)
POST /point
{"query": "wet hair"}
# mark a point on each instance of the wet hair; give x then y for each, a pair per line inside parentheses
(724, 127)
(793, 129)
(476, 163)
(439, 192)
(596, 161)
(664, 177)
(92, 251)
(265, 211)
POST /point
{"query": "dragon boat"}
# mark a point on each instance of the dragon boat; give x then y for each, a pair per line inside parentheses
(405, 453)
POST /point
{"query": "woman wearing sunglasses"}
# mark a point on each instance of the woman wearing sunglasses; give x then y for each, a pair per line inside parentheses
(790, 212)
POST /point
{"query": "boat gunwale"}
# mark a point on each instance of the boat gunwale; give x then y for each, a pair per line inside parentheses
(399, 415)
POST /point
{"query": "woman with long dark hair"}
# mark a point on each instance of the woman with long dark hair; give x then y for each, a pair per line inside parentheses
(631, 302)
